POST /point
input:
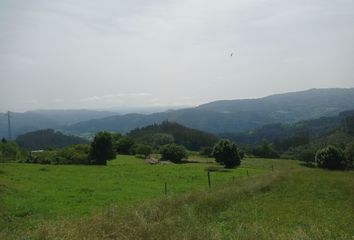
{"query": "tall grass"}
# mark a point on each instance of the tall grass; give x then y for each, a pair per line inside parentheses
(275, 205)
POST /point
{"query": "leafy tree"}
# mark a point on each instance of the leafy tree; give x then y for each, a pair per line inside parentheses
(349, 154)
(144, 150)
(124, 145)
(226, 152)
(102, 148)
(330, 157)
(173, 152)
(265, 150)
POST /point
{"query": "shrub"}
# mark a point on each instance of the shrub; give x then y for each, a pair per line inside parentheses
(349, 155)
(206, 151)
(330, 157)
(124, 145)
(265, 150)
(143, 150)
(226, 152)
(173, 152)
(75, 154)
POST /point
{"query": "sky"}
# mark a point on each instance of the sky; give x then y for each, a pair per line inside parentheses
(71, 54)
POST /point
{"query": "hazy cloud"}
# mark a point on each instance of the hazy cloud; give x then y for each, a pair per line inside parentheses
(81, 50)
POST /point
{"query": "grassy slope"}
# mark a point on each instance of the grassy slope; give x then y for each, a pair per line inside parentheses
(31, 193)
(291, 202)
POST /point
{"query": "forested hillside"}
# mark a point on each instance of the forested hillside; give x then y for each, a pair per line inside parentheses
(47, 138)
(235, 115)
(190, 138)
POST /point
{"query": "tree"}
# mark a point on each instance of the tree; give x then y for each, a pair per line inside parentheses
(160, 139)
(265, 150)
(124, 145)
(349, 154)
(226, 152)
(330, 157)
(102, 148)
(173, 152)
(144, 150)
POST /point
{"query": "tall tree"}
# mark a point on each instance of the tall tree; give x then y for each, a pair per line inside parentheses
(226, 152)
(102, 148)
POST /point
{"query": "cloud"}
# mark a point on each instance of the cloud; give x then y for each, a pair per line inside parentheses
(114, 97)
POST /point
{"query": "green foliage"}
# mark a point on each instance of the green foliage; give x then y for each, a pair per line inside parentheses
(9, 151)
(75, 154)
(206, 151)
(142, 150)
(173, 152)
(102, 148)
(124, 145)
(226, 153)
(265, 150)
(330, 157)
(349, 154)
(160, 139)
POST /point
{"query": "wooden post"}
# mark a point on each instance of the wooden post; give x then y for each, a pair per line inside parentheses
(209, 184)
(165, 188)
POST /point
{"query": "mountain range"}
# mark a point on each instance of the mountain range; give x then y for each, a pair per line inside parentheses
(214, 117)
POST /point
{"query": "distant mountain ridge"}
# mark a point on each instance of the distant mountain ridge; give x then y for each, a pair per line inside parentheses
(214, 117)
(236, 115)
(42, 119)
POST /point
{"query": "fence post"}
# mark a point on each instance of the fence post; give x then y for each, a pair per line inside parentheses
(209, 184)
(165, 188)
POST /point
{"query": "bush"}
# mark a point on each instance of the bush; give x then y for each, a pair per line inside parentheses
(124, 145)
(265, 150)
(330, 157)
(206, 151)
(9, 151)
(349, 155)
(75, 154)
(173, 152)
(142, 150)
(102, 148)
(226, 152)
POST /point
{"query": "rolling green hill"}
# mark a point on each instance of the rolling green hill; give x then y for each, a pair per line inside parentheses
(47, 138)
(190, 138)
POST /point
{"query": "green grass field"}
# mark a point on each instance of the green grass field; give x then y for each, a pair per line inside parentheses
(125, 200)
(32, 193)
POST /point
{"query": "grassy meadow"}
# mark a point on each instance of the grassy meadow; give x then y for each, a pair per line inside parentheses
(126, 200)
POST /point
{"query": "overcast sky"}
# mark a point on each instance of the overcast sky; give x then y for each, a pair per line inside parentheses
(100, 54)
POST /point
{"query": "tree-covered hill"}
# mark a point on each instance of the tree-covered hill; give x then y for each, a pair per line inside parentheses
(47, 138)
(190, 138)
(235, 115)
(337, 130)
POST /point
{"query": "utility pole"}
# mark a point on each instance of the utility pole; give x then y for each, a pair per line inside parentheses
(9, 124)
